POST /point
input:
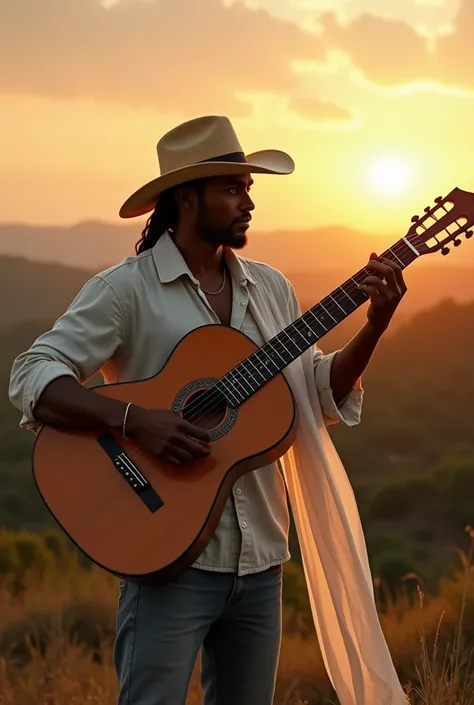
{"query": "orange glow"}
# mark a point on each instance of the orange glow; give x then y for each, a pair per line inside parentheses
(69, 157)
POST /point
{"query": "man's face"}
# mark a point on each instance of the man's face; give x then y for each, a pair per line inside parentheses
(224, 211)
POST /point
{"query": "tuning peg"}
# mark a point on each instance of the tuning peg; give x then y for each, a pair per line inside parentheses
(427, 209)
(415, 218)
(445, 251)
(469, 234)
(438, 199)
(456, 242)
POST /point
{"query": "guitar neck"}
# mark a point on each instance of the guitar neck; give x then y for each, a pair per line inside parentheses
(252, 373)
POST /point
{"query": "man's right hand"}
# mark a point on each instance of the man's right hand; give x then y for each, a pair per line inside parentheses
(166, 435)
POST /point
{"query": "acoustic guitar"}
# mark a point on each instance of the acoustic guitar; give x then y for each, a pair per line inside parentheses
(144, 520)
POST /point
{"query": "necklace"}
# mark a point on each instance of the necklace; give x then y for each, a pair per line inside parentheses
(214, 293)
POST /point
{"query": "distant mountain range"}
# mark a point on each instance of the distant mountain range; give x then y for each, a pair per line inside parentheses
(34, 290)
(95, 245)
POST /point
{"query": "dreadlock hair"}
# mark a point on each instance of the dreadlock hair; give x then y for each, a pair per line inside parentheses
(164, 217)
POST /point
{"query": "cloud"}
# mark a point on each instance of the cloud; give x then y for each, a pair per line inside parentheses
(319, 111)
(181, 55)
(455, 52)
(386, 51)
(161, 54)
(432, 15)
(391, 52)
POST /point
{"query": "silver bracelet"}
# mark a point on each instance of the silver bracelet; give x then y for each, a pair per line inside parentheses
(125, 419)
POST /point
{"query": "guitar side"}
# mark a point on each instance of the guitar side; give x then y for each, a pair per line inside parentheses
(151, 534)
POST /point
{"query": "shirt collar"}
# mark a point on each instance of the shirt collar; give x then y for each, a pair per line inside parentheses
(238, 267)
(170, 263)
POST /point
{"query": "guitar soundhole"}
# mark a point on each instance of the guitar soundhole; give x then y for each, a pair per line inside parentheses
(206, 408)
(200, 403)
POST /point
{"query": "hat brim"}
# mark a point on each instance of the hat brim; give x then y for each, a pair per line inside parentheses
(144, 200)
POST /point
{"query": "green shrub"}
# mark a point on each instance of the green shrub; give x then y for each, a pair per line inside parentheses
(458, 497)
(22, 552)
(424, 535)
(399, 500)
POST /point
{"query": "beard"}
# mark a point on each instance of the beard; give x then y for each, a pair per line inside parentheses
(233, 235)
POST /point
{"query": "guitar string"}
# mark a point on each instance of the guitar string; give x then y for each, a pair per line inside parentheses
(214, 398)
(416, 241)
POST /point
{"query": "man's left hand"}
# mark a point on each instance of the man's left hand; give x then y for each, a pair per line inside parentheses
(386, 288)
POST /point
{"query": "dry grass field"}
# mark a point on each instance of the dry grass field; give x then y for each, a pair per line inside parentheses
(57, 625)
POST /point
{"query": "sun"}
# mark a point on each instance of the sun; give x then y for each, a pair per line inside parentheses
(390, 175)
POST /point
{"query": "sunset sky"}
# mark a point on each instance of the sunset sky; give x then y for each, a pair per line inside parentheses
(374, 99)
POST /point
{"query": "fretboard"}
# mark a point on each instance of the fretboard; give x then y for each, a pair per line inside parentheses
(240, 383)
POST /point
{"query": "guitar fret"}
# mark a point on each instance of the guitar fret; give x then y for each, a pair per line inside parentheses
(328, 313)
(397, 258)
(233, 400)
(341, 288)
(249, 359)
(293, 341)
(274, 351)
(269, 356)
(241, 377)
(282, 343)
(299, 332)
(311, 312)
(311, 331)
(248, 376)
(270, 359)
(235, 380)
(263, 364)
(354, 281)
(333, 298)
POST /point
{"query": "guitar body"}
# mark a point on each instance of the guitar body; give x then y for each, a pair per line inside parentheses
(149, 526)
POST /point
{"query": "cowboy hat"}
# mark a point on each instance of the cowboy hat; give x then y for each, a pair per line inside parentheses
(203, 147)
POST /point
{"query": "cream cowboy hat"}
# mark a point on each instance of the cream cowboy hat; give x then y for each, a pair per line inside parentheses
(203, 147)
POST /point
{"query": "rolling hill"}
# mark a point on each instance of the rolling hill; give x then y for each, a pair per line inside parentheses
(95, 245)
(38, 289)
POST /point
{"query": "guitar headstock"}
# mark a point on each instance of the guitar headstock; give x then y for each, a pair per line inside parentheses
(443, 223)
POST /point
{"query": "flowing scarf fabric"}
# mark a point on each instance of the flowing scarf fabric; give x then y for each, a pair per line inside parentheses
(330, 534)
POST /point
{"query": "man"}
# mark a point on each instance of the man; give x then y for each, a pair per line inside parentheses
(126, 322)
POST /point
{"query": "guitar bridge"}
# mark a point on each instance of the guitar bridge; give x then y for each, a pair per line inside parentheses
(130, 472)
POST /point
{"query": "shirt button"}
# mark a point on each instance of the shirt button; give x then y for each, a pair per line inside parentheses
(238, 491)
(244, 525)
(242, 303)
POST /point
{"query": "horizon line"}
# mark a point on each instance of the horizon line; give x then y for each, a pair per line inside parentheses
(87, 222)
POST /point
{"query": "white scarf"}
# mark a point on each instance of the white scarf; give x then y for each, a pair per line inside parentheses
(332, 542)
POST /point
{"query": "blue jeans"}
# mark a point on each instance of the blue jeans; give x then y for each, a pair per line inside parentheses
(236, 621)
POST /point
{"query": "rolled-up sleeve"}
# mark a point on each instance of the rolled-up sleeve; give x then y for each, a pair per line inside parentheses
(81, 341)
(349, 410)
